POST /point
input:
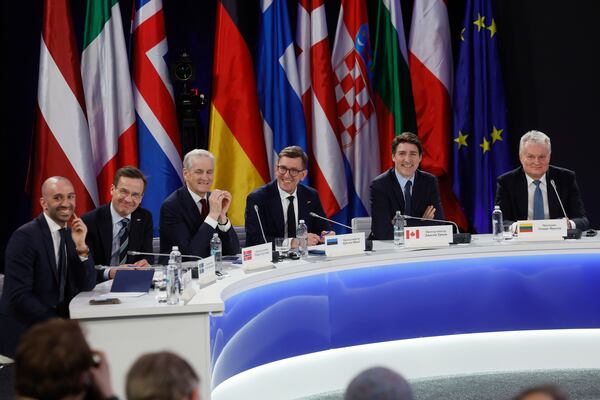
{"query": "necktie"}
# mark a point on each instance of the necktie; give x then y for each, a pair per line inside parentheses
(407, 200)
(62, 265)
(538, 201)
(204, 208)
(123, 235)
(291, 218)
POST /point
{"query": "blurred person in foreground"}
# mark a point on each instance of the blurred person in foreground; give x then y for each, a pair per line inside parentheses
(378, 383)
(544, 392)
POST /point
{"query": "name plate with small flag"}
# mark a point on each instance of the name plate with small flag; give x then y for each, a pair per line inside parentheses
(428, 236)
(206, 270)
(257, 257)
(345, 245)
(541, 230)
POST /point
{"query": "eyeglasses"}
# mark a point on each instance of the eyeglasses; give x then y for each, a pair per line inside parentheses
(125, 193)
(284, 170)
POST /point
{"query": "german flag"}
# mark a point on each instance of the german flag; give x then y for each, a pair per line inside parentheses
(236, 136)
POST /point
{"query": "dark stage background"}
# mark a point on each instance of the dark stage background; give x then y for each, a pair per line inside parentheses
(548, 53)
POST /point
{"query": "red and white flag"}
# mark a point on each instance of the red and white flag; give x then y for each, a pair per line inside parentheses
(62, 141)
(412, 233)
(317, 84)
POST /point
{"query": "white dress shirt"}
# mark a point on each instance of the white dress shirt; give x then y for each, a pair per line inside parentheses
(54, 232)
(285, 204)
(116, 242)
(402, 181)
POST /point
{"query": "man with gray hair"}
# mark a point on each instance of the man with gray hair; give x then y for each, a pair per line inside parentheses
(378, 383)
(192, 214)
(530, 191)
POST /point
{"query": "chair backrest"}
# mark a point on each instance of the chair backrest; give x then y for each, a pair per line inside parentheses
(241, 234)
(361, 224)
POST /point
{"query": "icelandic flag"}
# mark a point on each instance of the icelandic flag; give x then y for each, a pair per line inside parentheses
(278, 84)
(158, 136)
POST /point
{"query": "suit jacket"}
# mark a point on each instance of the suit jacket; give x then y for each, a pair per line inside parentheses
(31, 286)
(100, 233)
(268, 200)
(387, 198)
(512, 196)
(181, 225)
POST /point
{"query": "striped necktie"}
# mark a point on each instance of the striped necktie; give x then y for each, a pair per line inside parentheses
(123, 236)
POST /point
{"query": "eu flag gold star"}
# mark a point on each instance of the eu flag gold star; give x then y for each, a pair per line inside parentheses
(496, 134)
(462, 34)
(485, 145)
(492, 28)
(461, 139)
(480, 22)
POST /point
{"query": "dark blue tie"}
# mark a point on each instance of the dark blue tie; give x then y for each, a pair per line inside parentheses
(407, 200)
(538, 201)
(62, 265)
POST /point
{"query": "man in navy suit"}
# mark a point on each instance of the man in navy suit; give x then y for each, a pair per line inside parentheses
(526, 193)
(403, 188)
(284, 201)
(120, 226)
(47, 264)
(192, 214)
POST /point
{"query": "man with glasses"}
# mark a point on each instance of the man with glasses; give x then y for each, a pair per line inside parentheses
(120, 226)
(192, 214)
(526, 193)
(284, 201)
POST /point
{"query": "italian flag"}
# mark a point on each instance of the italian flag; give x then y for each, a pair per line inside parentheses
(108, 93)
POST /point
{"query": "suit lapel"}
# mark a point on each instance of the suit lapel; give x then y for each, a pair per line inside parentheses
(304, 204)
(105, 227)
(192, 214)
(522, 195)
(275, 208)
(135, 230)
(418, 194)
(553, 205)
(48, 245)
(396, 190)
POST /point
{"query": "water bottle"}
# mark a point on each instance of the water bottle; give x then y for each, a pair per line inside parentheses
(172, 282)
(216, 251)
(398, 229)
(302, 237)
(175, 255)
(497, 224)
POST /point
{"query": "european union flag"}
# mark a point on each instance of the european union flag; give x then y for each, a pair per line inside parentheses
(481, 148)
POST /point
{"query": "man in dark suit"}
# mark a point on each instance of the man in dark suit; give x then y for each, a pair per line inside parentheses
(403, 188)
(120, 226)
(283, 202)
(47, 264)
(192, 214)
(526, 193)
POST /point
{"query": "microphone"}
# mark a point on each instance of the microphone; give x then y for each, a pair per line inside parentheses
(572, 233)
(458, 237)
(260, 223)
(368, 242)
(141, 253)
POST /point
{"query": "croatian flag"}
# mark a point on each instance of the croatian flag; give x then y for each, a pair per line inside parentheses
(158, 135)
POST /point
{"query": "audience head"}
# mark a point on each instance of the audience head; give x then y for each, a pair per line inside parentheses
(291, 168)
(407, 152)
(378, 384)
(534, 153)
(162, 376)
(545, 392)
(198, 171)
(127, 190)
(58, 199)
(53, 361)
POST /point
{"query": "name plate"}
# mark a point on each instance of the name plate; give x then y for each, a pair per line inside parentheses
(428, 236)
(541, 229)
(206, 271)
(345, 245)
(257, 257)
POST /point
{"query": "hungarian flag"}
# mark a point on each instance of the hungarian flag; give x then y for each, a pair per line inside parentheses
(430, 63)
(236, 134)
(108, 94)
(61, 144)
(353, 70)
(393, 100)
(317, 84)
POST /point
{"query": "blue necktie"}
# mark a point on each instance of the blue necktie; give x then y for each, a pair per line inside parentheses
(538, 201)
(407, 205)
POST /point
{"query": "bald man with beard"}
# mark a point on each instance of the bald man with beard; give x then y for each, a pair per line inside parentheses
(47, 264)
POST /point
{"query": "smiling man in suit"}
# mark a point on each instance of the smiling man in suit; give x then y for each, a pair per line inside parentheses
(192, 214)
(47, 264)
(284, 201)
(526, 193)
(120, 226)
(403, 188)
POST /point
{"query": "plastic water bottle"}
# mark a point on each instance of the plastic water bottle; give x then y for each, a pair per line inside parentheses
(398, 229)
(497, 224)
(175, 255)
(172, 282)
(216, 250)
(302, 237)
